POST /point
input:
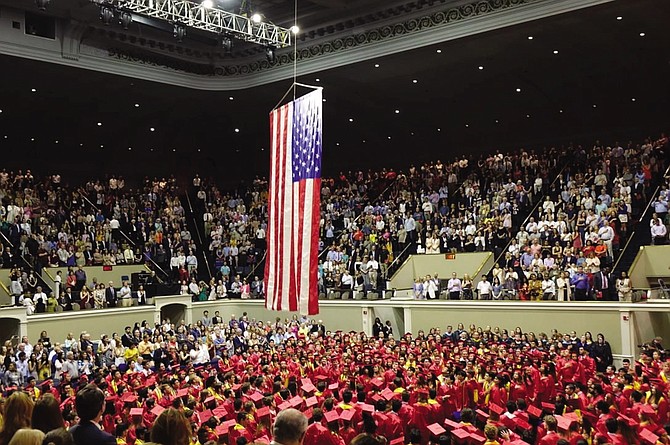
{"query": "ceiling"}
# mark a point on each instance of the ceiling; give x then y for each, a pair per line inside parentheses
(606, 81)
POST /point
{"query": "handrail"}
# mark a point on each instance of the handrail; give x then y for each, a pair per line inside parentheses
(646, 209)
(258, 263)
(197, 231)
(151, 260)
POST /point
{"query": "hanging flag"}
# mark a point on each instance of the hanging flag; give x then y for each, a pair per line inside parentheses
(291, 265)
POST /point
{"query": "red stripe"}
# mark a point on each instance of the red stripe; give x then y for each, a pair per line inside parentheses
(313, 305)
(271, 205)
(279, 296)
(300, 233)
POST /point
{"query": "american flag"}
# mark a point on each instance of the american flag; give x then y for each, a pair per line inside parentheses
(291, 265)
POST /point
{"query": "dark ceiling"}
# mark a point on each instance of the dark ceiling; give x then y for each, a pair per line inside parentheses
(607, 81)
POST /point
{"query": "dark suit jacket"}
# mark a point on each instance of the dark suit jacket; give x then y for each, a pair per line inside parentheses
(88, 433)
(110, 296)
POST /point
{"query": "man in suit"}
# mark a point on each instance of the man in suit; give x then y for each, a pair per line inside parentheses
(605, 283)
(110, 295)
(90, 403)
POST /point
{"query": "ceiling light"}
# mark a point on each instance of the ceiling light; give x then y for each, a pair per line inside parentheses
(32, 139)
(642, 34)
(633, 99)
(497, 121)
(530, 37)
(102, 146)
(81, 145)
(397, 111)
(295, 29)
(33, 90)
(439, 51)
(324, 100)
(130, 148)
(256, 18)
(560, 111)
(99, 124)
(237, 130)
(56, 141)
(317, 79)
(0, 111)
(619, 18)
(518, 90)
(481, 67)
(376, 65)
(231, 98)
(201, 150)
(152, 129)
(528, 115)
(415, 81)
(351, 119)
(174, 149)
(337, 143)
(439, 129)
(364, 141)
(137, 105)
(467, 125)
(595, 106)
(555, 51)
(209, 4)
(6, 136)
(389, 138)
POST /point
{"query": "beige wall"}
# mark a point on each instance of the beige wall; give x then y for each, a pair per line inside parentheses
(422, 265)
(651, 261)
(96, 272)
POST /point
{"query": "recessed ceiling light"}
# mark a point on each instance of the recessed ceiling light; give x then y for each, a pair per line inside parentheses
(152, 129)
(560, 111)
(481, 67)
(317, 79)
(324, 100)
(102, 146)
(0, 111)
(530, 37)
(642, 34)
(633, 99)
(33, 90)
(237, 130)
(497, 121)
(137, 105)
(467, 125)
(364, 141)
(439, 51)
(295, 29)
(389, 137)
(619, 18)
(376, 65)
(528, 115)
(6, 136)
(151, 149)
(201, 150)
(415, 81)
(351, 119)
(412, 133)
(231, 98)
(81, 145)
(99, 124)
(337, 143)
(439, 129)
(55, 142)
(174, 149)
(595, 106)
(518, 90)
(32, 139)
(397, 111)
(256, 18)
(130, 148)
(555, 51)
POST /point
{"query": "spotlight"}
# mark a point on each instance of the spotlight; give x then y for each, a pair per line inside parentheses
(209, 4)
(270, 54)
(295, 29)
(42, 4)
(256, 18)
(227, 43)
(125, 19)
(106, 15)
(179, 32)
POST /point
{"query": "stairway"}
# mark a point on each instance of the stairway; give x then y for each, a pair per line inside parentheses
(196, 226)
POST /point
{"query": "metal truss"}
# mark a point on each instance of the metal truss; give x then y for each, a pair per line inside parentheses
(214, 20)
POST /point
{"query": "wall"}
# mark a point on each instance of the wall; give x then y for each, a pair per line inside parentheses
(651, 261)
(421, 265)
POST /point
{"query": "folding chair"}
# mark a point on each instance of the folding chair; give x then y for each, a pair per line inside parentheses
(663, 291)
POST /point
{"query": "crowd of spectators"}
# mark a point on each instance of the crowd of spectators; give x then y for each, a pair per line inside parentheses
(226, 381)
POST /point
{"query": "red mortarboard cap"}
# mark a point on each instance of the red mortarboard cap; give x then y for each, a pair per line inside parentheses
(347, 414)
(521, 424)
(309, 413)
(333, 386)
(377, 383)
(648, 436)
(182, 392)
(150, 381)
(398, 441)
(482, 414)
(451, 425)
(223, 428)
(129, 397)
(209, 400)
(647, 409)
(263, 412)
(256, 397)
(628, 420)
(534, 411)
(157, 410)
(563, 423)
(460, 434)
(220, 411)
(436, 429)
(321, 377)
(284, 405)
(387, 394)
(548, 406)
(205, 416)
(496, 408)
(296, 401)
(375, 398)
(572, 416)
(367, 408)
(311, 401)
(307, 385)
(331, 416)
(476, 439)
(136, 411)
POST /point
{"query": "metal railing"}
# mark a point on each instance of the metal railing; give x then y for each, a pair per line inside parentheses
(197, 232)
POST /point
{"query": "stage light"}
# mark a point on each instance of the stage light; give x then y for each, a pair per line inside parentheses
(256, 18)
(106, 15)
(42, 4)
(179, 32)
(295, 29)
(125, 19)
(270, 54)
(209, 4)
(227, 44)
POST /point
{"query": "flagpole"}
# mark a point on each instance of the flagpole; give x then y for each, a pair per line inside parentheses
(293, 88)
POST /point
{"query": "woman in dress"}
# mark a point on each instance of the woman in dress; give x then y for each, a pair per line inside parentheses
(624, 287)
(99, 296)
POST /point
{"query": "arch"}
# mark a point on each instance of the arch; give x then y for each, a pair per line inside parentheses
(175, 312)
(10, 327)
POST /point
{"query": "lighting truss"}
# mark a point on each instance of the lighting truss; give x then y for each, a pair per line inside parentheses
(214, 20)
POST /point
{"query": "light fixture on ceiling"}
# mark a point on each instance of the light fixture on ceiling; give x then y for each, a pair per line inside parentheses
(619, 18)
(42, 4)
(595, 106)
(376, 65)
(179, 32)
(226, 43)
(209, 4)
(237, 130)
(137, 105)
(351, 119)
(555, 51)
(528, 115)
(518, 90)
(125, 19)
(439, 51)
(33, 90)
(152, 129)
(231, 98)
(295, 29)
(481, 67)
(99, 124)
(317, 80)
(642, 34)
(256, 18)
(270, 54)
(415, 81)
(530, 37)
(106, 15)
(397, 111)
(633, 99)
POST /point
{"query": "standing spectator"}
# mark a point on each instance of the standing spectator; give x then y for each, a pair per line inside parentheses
(658, 232)
(624, 287)
(125, 295)
(454, 287)
(90, 403)
(484, 288)
(110, 295)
